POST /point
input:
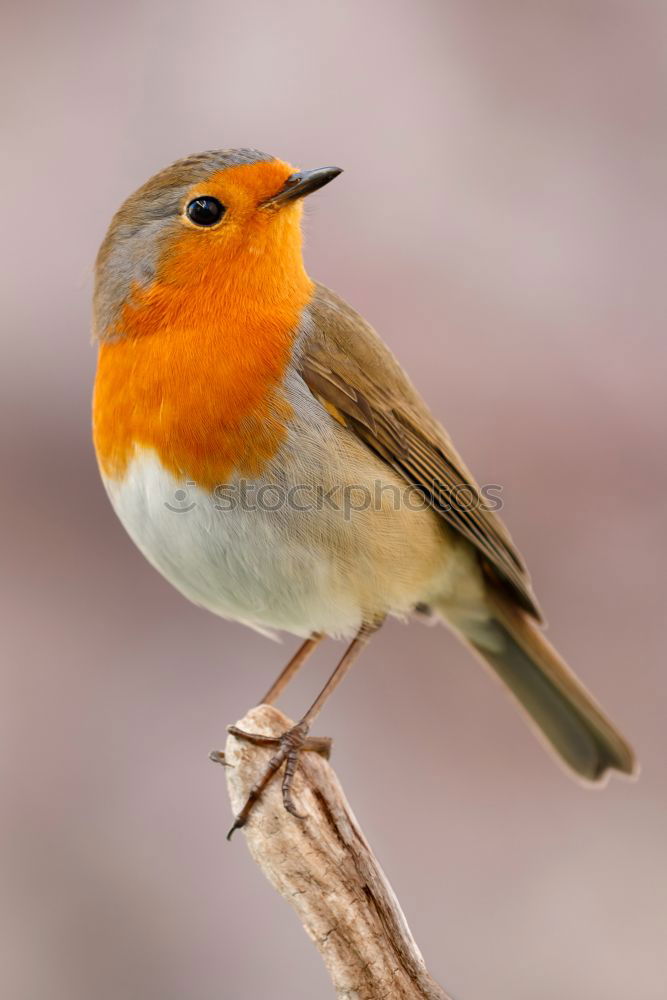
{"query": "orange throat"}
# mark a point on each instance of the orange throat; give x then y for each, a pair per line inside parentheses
(196, 369)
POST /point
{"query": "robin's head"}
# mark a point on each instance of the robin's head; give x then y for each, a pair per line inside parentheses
(205, 234)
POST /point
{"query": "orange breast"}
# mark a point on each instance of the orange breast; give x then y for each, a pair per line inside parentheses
(197, 375)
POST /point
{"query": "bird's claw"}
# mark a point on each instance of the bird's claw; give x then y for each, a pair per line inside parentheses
(289, 748)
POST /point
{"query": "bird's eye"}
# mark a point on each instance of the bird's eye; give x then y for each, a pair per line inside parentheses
(205, 211)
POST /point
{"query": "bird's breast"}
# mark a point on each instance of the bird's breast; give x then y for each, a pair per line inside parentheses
(207, 401)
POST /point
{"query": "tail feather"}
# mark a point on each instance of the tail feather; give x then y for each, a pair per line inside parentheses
(548, 691)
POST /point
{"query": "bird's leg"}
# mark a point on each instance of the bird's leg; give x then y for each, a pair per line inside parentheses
(321, 746)
(294, 665)
(291, 744)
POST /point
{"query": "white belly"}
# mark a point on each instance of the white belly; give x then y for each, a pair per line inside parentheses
(268, 562)
(242, 564)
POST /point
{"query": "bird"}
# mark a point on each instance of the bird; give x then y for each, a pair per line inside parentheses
(269, 456)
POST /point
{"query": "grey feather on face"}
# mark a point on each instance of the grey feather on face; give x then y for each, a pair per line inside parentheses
(143, 225)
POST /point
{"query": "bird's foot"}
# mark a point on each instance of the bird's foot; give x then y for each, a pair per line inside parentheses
(289, 746)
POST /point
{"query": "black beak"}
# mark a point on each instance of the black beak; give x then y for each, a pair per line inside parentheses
(301, 184)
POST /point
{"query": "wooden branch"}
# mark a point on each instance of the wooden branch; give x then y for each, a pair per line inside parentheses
(325, 869)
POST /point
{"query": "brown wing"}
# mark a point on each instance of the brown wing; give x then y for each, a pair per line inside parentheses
(348, 368)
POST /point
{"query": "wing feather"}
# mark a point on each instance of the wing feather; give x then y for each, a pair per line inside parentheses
(347, 367)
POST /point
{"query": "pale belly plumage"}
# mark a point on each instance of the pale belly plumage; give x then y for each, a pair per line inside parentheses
(328, 539)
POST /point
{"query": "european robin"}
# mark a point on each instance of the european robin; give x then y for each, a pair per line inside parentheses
(269, 456)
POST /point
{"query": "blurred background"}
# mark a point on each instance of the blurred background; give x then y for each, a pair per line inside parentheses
(501, 220)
